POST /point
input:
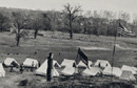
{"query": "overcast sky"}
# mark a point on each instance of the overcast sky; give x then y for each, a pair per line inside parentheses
(129, 6)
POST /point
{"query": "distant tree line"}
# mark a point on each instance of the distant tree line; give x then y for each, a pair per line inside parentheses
(71, 19)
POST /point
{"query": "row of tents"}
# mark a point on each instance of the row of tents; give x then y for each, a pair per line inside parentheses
(99, 67)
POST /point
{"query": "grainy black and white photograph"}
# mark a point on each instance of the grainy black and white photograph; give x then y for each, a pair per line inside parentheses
(68, 43)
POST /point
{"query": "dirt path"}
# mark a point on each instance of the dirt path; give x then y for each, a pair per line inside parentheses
(93, 48)
(125, 48)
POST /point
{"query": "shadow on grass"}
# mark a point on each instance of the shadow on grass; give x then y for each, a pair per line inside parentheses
(116, 85)
(23, 82)
(70, 83)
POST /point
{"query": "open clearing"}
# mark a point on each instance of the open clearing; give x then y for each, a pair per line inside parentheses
(57, 42)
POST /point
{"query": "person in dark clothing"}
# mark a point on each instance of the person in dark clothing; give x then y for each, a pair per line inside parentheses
(99, 65)
(39, 63)
(21, 69)
(74, 65)
(32, 68)
(106, 65)
(11, 69)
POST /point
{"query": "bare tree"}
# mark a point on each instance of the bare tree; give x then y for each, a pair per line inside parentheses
(71, 13)
(39, 21)
(18, 24)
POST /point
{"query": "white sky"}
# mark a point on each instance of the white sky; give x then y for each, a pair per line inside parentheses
(129, 6)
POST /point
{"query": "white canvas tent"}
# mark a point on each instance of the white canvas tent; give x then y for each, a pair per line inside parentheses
(81, 64)
(134, 68)
(68, 63)
(69, 71)
(115, 71)
(10, 62)
(42, 70)
(102, 63)
(128, 68)
(127, 75)
(56, 64)
(93, 71)
(29, 62)
(2, 71)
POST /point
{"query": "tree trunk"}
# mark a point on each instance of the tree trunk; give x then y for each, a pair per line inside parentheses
(50, 67)
(71, 30)
(1, 30)
(18, 40)
(98, 32)
(18, 37)
(35, 34)
(71, 34)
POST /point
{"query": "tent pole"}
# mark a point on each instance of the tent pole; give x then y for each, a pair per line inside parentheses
(114, 50)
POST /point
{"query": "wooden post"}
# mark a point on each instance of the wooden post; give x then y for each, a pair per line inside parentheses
(50, 66)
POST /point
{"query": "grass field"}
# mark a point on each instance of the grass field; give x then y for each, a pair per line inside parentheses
(58, 42)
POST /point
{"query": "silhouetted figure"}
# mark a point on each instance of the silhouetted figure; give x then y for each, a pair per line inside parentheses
(101, 74)
(39, 63)
(11, 69)
(21, 68)
(50, 66)
(32, 66)
(74, 65)
(99, 65)
(106, 65)
(8, 53)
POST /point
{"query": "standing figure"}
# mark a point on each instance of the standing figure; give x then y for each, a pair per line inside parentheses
(50, 67)
(21, 69)
(11, 69)
(32, 66)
